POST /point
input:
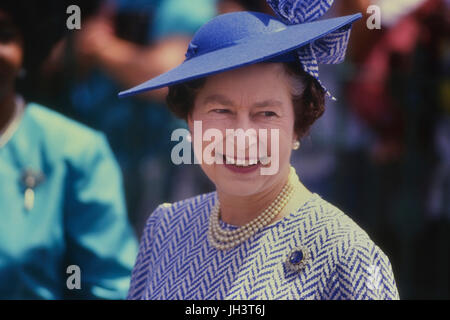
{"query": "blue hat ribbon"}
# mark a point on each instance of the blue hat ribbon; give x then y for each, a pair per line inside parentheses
(329, 49)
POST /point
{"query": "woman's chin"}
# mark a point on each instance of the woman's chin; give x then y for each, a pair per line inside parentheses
(240, 186)
(238, 189)
(238, 181)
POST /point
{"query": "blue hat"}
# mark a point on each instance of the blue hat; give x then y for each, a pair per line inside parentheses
(237, 39)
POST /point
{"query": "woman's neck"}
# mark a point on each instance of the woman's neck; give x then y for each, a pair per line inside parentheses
(7, 107)
(299, 197)
(238, 210)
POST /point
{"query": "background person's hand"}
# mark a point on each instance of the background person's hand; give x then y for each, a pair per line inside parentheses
(96, 36)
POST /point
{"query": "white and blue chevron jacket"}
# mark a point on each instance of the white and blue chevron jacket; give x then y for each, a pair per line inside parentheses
(176, 261)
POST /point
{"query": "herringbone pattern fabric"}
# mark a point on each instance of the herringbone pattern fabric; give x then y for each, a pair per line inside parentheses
(176, 261)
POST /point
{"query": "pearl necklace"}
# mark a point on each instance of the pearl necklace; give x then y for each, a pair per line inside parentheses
(226, 239)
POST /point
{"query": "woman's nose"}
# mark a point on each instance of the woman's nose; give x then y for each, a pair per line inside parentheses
(244, 136)
(243, 121)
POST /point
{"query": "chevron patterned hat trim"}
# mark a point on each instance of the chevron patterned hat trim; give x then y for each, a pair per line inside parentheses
(329, 49)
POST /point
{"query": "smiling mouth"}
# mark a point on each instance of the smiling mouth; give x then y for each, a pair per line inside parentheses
(243, 163)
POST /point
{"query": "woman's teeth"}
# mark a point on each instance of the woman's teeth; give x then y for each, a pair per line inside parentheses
(229, 160)
(244, 163)
(241, 162)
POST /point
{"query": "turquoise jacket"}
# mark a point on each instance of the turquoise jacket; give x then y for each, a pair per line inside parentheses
(78, 216)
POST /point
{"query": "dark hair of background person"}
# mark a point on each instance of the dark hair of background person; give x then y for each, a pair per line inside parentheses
(308, 107)
(41, 24)
(254, 5)
(247, 5)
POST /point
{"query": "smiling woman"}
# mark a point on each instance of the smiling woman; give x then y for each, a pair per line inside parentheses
(285, 91)
(244, 88)
(257, 236)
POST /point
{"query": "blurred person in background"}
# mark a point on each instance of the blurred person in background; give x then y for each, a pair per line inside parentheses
(227, 6)
(398, 86)
(122, 43)
(61, 193)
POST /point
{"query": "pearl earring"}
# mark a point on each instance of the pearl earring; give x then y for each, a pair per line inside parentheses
(296, 145)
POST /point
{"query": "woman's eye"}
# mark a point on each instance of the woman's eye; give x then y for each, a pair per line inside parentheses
(220, 110)
(269, 114)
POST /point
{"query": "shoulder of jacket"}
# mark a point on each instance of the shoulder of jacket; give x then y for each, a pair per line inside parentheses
(325, 225)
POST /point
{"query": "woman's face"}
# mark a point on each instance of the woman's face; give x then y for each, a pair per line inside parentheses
(11, 54)
(252, 97)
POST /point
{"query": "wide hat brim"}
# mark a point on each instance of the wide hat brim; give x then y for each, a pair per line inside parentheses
(256, 49)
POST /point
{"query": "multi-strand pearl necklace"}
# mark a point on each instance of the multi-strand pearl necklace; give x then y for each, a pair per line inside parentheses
(226, 239)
